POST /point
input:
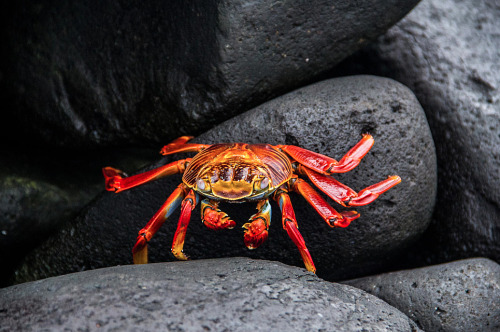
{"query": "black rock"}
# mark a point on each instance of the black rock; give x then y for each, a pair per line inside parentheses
(327, 117)
(214, 295)
(30, 210)
(106, 73)
(458, 296)
(42, 189)
(447, 53)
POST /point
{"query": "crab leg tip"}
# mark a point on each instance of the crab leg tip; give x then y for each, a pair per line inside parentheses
(395, 178)
(180, 255)
(140, 250)
(112, 178)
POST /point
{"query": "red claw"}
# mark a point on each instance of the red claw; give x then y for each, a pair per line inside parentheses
(255, 233)
(256, 230)
(214, 218)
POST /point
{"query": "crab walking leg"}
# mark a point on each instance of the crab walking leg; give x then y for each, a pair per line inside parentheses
(214, 218)
(180, 140)
(369, 194)
(140, 250)
(256, 230)
(337, 191)
(353, 157)
(344, 195)
(329, 214)
(188, 204)
(115, 180)
(326, 165)
(291, 227)
(180, 145)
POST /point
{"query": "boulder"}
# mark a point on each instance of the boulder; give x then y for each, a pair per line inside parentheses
(42, 189)
(456, 296)
(447, 53)
(30, 210)
(108, 73)
(235, 294)
(328, 117)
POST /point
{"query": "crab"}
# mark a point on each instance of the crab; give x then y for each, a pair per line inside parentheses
(240, 172)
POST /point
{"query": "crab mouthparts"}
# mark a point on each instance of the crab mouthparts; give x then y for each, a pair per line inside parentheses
(232, 190)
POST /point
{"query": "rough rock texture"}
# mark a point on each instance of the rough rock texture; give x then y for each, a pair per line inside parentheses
(458, 296)
(447, 53)
(89, 73)
(328, 117)
(211, 295)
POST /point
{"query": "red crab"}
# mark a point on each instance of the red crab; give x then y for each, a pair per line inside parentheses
(239, 172)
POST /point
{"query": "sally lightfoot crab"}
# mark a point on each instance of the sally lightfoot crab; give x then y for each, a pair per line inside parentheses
(239, 172)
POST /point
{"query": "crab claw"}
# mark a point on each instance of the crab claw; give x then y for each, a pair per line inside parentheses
(256, 230)
(255, 233)
(214, 218)
(112, 177)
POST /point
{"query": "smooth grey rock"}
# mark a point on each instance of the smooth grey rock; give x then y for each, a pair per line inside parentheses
(214, 295)
(327, 117)
(458, 296)
(447, 53)
(107, 72)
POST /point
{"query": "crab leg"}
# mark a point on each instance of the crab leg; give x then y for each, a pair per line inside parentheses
(140, 250)
(188, 204)
(291, 227)
(369, 194)
(326, 165)
(344, 195)
(180, 145)
(256, 230)
(115, 180)
(329, 214)
(353, 157)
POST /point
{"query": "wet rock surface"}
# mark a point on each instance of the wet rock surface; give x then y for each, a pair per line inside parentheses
(457, 296)
(328, 117)
(447, 53)
(106, 73)
(235, 294)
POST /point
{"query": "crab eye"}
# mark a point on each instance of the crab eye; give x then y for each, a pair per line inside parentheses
(200, 184)
(264, 183)
(261, 183)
